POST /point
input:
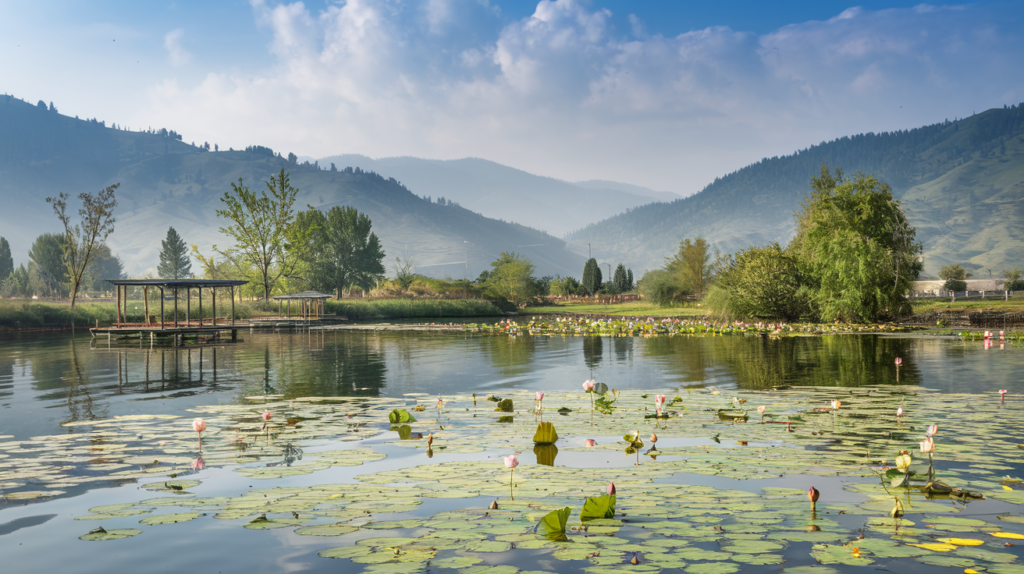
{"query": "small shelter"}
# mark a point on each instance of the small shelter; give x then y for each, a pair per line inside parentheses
(309, 305)
(174, 287)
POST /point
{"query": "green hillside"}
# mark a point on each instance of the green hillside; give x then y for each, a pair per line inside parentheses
(165, 182)
(961, 183)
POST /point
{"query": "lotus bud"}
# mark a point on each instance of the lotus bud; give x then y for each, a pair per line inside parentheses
(836, 404)
(494, 505)
(761, 409)
(538, 396)
(927, 446)
(812, 494)
(198, 425)
(511, 461)
(899, 361)
(931, 431)
(430, 439)
(1002, 394)
(899, 412)
(611, 489)
(635, 559)
(590, 442)
(266, 416)
(588, 386)
(654, 438)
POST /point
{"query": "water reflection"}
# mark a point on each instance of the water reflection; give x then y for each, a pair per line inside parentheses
(47, 380)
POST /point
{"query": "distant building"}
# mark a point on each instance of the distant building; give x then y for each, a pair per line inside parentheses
(934, 287)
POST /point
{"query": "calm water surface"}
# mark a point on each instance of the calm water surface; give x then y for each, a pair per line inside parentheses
(48, 380)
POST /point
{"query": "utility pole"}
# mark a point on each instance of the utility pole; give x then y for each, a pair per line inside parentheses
(589, 254)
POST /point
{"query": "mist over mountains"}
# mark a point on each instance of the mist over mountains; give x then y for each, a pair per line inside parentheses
(961, 183)
(166, 182)
(503, 192)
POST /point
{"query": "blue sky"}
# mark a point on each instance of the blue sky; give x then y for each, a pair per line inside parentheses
(664, 94)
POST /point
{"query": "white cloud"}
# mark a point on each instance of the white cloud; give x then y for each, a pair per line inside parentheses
(177, 55)
(562, 93)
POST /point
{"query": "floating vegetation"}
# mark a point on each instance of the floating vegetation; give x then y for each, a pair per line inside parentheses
(551, 506)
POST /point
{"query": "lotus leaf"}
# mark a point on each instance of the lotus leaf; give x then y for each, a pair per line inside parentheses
(545, 434)
(400, 416)
(552, 525)
(100, 534)
(598, 507)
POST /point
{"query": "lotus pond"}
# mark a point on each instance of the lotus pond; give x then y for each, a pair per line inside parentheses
(385, 452)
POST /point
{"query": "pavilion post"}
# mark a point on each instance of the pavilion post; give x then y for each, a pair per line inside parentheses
(162, 297)
(175, 306)
(188, 306)
(200, 313)
(145, 297)
(214, 291)
(232, 305)
(117, 301)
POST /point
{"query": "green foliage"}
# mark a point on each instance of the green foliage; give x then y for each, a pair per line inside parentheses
(404, 275)
(621, 279)
(597, 507)
(761, 282)
(591, 276)
(955, 285)
(356, 309)
(6, 259)
(691, 266)
(553, 524)
(83, 240)
(546, 433)
(564, 286)
(954, 272)
(504, 405)
(1017, 285)
(1012, 275)
(17, 284)
(174, 259)
(400, 416)
(512, 279)
(47, 264)
(104, 266)
(856, 250)
(660, 287)
(339, 249)
(259, 226)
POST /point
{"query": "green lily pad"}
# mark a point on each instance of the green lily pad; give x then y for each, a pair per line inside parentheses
(170, 518)
(100, 535)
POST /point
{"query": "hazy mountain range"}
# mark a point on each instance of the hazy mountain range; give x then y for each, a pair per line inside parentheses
(165, 182)
(502, 192)
(961, 183)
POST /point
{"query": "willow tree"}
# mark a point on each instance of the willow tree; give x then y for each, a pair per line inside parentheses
(856, 249)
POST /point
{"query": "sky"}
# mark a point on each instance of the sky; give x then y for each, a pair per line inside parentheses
(668, 95)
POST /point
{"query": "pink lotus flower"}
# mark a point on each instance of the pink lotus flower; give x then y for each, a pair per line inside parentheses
(899, 412)
(590, 442)
(659, 399)
(931, 431)
(511, 461)
(197, 464)
(928, 446)
(654, 438)
(198, 425)
(588, 386)
(899, 361)
(836, 404)
(760, 409)
(266, 416)
(611, 489)
(538, 396)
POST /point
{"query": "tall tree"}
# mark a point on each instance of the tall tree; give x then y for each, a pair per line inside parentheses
(620, 279)
(259, 227)
(691, 266)
(592, 276)
(856, 249)
(6, 260)
(82, 240)
(47, 263)
(340, 251)
(512, 279)
(104, 266)
(174, 260)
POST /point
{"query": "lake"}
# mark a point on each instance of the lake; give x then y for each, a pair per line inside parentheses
(81, 422)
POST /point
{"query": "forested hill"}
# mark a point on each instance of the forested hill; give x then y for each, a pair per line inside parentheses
(961, 183)
(166, 182)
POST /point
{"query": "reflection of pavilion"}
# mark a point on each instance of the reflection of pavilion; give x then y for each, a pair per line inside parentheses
(309, 311)
(198, 327)
(163, 368)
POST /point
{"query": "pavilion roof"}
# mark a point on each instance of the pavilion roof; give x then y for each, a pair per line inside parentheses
(179, 283)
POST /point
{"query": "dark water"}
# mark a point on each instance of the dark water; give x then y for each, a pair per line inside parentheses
(47, 380)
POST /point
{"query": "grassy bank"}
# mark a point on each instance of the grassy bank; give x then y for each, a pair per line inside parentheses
(630, 309)
(363, 309)
(23, 315)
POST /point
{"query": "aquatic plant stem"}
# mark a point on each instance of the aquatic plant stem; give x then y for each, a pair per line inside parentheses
(510, 473)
